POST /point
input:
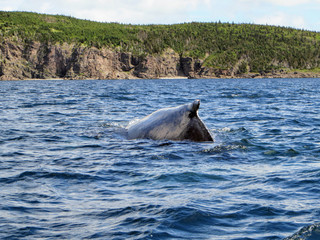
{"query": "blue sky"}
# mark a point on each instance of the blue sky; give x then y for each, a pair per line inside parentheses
(293, 13)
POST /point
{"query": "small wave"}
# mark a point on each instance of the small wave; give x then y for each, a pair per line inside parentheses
(113, 125)
(258, 210)
(232, 130)
(195, 223)
(48, 103)
(12, 154)
(285, 153)
(223, 148)
(17, 138)
(104, 130)
(189, 177)
(23, 232)
(244, 95)
(169, 156)
(29, 210)
(292, 152)
(84, 146)
(143, 209)
(24, 176)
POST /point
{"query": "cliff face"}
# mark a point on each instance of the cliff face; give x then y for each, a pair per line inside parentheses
(37, 60)
(46, 61)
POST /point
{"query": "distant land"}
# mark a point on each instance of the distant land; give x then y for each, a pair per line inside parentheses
(40, 46)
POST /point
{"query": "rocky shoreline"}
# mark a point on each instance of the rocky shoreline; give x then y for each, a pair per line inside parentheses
(280, 74)
(20, 61)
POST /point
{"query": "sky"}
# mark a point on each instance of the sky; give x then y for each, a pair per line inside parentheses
(301, 14)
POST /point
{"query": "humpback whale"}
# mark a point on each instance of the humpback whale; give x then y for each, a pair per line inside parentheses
(175, 123)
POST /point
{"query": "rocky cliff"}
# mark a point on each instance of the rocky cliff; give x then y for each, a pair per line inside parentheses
(69, 61)
(36, 60)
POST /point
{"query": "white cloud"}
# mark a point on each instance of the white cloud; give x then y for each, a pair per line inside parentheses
(128, 11)
(285, 3)
(8, 5)
(295, 13)
(282, 19)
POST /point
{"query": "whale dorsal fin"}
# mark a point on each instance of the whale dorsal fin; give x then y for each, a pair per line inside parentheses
(193, 107)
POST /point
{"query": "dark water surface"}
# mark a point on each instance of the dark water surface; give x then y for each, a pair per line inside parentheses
(68, 172)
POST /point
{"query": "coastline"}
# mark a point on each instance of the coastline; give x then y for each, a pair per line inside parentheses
(274, 75)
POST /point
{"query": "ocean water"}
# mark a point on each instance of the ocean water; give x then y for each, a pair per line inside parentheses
(67, 170)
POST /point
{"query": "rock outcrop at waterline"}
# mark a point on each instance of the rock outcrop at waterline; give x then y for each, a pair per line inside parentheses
(72, 61)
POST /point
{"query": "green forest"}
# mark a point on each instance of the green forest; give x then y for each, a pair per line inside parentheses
(218, 45)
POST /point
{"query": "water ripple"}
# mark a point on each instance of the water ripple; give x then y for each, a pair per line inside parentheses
(67, 170)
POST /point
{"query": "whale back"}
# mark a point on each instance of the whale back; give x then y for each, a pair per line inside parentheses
(176, 123)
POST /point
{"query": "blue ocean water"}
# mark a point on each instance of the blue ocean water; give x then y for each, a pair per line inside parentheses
(67, 170)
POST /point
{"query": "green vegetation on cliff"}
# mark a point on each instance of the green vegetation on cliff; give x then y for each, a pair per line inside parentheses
(253, 48)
